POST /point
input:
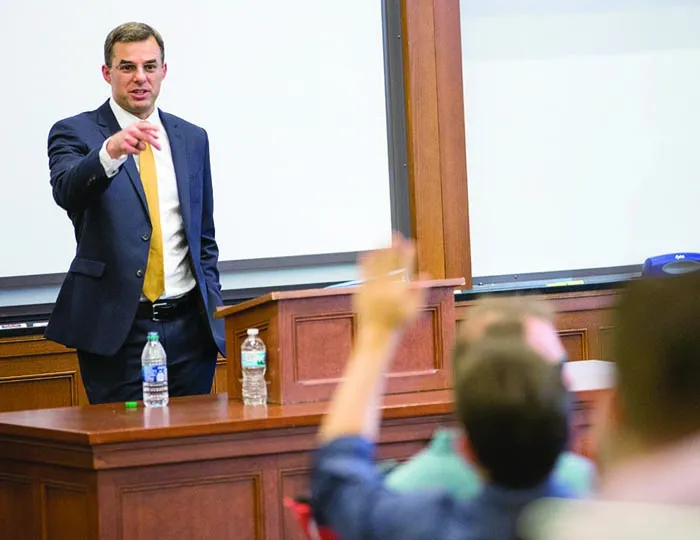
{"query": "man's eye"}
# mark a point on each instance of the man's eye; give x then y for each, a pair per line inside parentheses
(150, 68)
(126, 68)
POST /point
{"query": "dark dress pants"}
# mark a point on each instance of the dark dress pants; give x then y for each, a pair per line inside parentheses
(190, 349)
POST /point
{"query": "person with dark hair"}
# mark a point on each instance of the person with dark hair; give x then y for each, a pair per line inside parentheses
(136, 184)
(443, 464)
(649, 435)
(511, 401)
(507, 397)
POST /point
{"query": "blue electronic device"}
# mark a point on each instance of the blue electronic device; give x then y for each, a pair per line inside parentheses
(671, 264)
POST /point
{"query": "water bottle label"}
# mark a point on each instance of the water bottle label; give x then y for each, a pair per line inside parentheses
(155, 374)
(251, 359)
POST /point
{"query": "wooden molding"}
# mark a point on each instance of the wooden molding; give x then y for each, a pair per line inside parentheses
(575, 342)
(436, 137)
(451, 123)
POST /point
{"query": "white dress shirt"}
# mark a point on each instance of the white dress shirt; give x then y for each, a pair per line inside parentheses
(179, 279)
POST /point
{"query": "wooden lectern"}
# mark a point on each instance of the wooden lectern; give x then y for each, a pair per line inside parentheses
(309, 336)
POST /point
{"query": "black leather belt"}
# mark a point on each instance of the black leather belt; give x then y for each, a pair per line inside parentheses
(165, 310)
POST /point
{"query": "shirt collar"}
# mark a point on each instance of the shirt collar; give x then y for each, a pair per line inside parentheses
(495, 495)
(125, 118)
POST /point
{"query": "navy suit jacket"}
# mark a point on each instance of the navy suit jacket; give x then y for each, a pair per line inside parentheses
(97, 303)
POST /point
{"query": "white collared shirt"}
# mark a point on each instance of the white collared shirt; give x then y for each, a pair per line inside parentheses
(178, 273)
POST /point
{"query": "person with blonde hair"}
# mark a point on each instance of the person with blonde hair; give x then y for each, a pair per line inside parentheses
(442, 464)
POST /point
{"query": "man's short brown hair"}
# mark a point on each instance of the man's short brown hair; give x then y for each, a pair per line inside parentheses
(128, 33)
(657, 356)
(514, 408)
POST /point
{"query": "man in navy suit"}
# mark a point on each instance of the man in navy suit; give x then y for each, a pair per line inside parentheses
(136, 183)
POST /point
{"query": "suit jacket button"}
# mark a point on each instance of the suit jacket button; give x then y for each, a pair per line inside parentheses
(139, 273)
(145, 237)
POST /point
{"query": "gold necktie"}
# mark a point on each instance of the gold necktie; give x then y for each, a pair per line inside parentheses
(154, 281)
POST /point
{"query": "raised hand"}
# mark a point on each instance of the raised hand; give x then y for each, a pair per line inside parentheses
(387, 299)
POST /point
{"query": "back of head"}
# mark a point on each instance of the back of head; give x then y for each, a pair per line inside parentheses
(657, 355)
(514, 409)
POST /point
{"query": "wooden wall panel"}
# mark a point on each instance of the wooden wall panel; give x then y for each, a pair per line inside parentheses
(16, 508)
(35, 374)
(589, 313)
(228, 506)
(606, 344)
(293, 483)
(575, 342)
(583, 319)
(66, 511)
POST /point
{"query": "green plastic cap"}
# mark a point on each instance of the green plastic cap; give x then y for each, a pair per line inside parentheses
(131, 404)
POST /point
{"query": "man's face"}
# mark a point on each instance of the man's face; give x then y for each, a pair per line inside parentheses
(135, 76)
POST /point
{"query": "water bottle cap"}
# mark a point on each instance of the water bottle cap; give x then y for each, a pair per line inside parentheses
(252, 331)
(152, 336)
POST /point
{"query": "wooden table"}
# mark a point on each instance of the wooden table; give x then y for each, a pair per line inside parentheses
(202, 468)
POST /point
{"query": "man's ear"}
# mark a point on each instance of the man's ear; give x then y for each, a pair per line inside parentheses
(464, 448)
(106, 75)
(607, 426)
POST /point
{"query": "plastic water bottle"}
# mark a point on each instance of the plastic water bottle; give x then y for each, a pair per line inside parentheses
(253, 367)
(154, 369)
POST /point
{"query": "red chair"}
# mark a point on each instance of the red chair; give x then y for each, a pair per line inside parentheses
(301, 510)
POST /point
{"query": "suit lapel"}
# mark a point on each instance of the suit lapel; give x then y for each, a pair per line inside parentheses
(108, 127)
(178, 149)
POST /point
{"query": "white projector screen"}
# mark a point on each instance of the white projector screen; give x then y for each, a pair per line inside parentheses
(582, 120)
(292, 95)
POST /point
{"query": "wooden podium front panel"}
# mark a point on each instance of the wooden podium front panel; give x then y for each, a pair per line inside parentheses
(320, 332)
(317, 340)
(309, 337)
(424, 350)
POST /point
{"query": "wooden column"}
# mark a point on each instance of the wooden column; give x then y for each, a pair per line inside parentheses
(436, 137)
